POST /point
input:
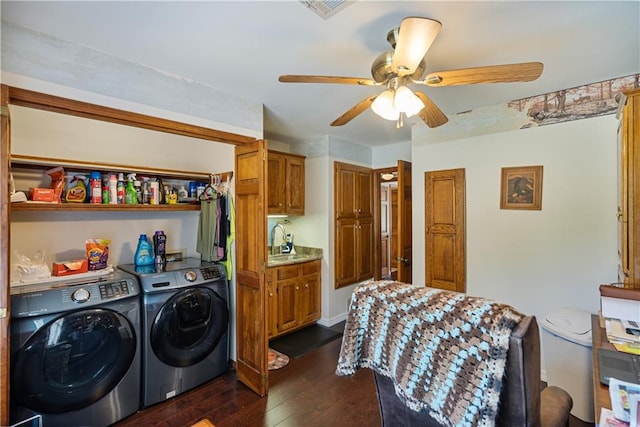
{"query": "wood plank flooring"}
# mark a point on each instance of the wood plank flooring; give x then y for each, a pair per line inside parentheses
(306, 392)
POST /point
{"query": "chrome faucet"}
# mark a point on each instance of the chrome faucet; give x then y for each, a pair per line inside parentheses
(273, 237)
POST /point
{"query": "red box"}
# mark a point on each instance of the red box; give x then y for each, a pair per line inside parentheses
(43, 195)
(66, 268)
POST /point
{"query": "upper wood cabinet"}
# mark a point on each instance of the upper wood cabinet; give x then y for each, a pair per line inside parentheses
(629, 189)
(286, 183)
(354, 233)
(354, 198)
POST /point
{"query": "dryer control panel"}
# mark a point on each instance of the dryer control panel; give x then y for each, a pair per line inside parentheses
(58, 297)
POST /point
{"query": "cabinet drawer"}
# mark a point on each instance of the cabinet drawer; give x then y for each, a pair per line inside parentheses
(287, 272)
(312, 267)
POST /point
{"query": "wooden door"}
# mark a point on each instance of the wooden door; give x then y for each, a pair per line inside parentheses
(364, 193)
(251, 246)
(445, 229)
(272, 305)
(294, 193)
(276, 176)
(346, 269)
(394, 233)
(345, 194)
(404, 242)
(309, 292)
(385, 231)
(287, 301)
(364, 249)
(5, 141)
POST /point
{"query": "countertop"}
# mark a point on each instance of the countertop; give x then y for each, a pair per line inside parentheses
(303, 254)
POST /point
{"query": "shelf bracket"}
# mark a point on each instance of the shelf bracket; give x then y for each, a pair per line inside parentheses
(4, 110)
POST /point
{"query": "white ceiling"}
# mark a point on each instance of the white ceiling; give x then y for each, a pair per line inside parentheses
(241, 47)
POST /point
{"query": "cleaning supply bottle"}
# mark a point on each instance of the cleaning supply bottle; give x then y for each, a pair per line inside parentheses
(144, 251)
(120, 189)
(113, 189)
(105, 189)
(95, 181)
(130, 194)
(138, 186)
(160, 245)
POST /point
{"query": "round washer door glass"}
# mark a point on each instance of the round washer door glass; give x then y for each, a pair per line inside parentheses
(73, 361)
(189, 326)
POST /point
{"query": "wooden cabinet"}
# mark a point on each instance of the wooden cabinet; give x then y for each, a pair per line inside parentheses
(354, 224)
(296, 299)
(286, 183)
(629, 189)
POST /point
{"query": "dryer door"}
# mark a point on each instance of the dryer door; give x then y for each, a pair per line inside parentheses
(73, 361)
(189, 326)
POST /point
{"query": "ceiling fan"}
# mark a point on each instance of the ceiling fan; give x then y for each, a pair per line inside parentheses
(405, 65)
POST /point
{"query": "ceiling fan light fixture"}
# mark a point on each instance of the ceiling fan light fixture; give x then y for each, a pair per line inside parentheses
(408, 102)
(385, 105)
(414, 39)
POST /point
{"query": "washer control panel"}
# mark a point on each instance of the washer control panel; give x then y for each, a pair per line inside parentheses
(63, 296)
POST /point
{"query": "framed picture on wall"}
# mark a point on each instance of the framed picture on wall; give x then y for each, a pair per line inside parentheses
(521, 188)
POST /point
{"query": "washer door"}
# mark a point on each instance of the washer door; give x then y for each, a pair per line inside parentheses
(189, 326)
(73, 361)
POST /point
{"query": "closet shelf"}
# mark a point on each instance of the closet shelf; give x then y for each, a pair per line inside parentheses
(36, 163)
(89, 207)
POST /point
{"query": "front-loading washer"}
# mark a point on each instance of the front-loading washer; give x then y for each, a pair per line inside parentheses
(185, 323)
(75, 350)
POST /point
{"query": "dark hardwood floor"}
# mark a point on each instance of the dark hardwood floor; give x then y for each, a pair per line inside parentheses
(306, 392)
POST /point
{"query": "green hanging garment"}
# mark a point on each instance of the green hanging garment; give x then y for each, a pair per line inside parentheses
(207, 231)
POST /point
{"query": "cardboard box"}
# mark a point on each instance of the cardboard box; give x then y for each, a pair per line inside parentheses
(70, 267)
(43, 195)
(617, 302)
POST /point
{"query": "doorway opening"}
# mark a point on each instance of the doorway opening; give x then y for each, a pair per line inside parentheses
(387, 183)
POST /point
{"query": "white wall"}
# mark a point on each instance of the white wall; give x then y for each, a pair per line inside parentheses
(534, 260)
(62, 235)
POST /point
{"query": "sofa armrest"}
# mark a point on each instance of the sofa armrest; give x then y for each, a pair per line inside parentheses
(555, 406)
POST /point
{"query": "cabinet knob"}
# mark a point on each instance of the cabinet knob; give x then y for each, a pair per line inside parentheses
(297, 287)
(306, 285)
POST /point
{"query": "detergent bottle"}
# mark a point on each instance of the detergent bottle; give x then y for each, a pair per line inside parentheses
(144, 251)
(131, 195)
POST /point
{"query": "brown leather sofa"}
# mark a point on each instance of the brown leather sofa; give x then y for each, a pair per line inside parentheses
(522, 402)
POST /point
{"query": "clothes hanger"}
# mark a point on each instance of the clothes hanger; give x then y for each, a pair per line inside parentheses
(209, 192)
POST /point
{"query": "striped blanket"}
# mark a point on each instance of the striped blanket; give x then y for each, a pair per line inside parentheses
(444, 351)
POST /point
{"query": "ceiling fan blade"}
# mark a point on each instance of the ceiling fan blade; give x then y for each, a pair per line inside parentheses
(354, 111)
(523, 72)
(414, 39)
(293, 78)
(431, 114)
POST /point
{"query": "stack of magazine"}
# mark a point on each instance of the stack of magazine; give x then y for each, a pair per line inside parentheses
(624, 335)
(625, 399)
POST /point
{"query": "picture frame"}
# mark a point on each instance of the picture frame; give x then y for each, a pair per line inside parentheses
(521, 188)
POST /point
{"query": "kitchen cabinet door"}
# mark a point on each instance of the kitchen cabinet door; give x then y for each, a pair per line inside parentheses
(276, 183)
(286, 184)
(309, 298)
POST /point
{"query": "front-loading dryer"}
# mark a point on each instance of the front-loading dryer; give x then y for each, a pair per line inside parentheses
(75, 351)
(185, 323)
